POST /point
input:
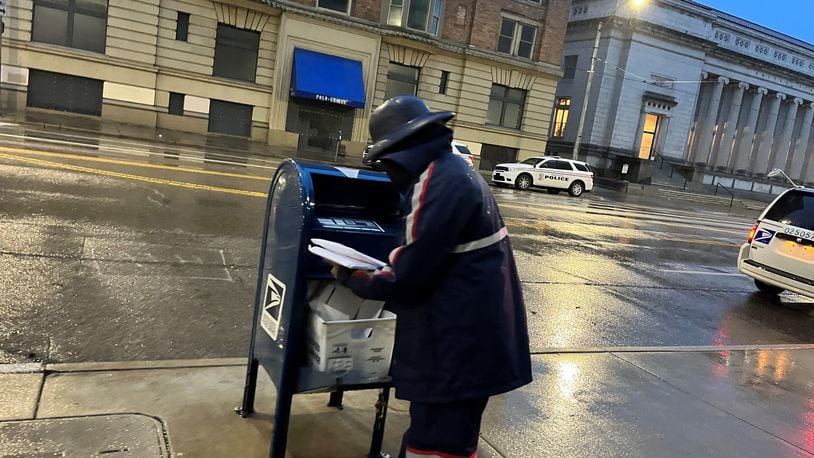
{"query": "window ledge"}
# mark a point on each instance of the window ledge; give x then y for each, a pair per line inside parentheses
(217, 79)
(541, 4)
(515, 56)
(67, 50)
(503, 128)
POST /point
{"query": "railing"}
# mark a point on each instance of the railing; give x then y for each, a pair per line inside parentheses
(664, 160)
(731, 194)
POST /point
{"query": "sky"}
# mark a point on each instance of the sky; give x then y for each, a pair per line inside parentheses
(792, 17)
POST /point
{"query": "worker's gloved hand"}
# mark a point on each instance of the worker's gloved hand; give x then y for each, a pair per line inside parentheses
(341, 273)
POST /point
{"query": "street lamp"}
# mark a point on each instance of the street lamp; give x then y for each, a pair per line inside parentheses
(577, 143)
(778, 172)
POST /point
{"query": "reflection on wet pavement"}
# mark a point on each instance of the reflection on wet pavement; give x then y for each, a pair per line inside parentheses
(657, 404)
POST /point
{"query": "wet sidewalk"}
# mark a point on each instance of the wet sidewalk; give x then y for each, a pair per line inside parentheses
(727, 402)
(60, 132)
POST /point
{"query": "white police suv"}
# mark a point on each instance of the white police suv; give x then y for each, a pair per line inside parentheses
(779, 254)
(550, 172)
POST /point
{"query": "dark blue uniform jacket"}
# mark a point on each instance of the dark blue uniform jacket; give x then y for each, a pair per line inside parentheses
(461, 331)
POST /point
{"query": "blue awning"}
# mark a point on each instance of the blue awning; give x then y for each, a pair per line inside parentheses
(327, 78)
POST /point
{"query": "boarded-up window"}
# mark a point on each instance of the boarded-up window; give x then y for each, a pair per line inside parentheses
(230, 118)
(56, 91)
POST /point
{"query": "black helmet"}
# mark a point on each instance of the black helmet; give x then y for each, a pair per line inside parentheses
(397, 119)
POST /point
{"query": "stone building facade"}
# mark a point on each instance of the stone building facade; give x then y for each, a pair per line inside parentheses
(722, 99)
(304, 73)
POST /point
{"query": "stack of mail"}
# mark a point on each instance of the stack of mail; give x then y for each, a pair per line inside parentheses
(345, 256)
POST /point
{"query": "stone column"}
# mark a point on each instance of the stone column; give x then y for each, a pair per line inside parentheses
(707, 124)
(784, 147)
(808, 177)
(801, 147)
(746, 141)
(767, 136)
(728, 135)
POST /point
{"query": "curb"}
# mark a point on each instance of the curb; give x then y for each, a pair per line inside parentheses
(66, 368)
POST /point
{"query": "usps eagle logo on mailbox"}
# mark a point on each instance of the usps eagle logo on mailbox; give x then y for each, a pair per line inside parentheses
(273, 302)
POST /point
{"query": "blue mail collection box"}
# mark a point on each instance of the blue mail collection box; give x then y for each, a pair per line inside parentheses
(357, 208)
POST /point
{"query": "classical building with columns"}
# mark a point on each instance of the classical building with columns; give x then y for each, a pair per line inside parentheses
(718, 98)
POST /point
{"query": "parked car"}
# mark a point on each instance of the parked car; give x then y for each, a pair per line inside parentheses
(462, 150)
(550, 172)
(459, 149)
(779, 253)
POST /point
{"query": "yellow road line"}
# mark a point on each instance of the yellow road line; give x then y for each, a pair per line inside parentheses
(201, 187)
(79, 157)
(127, 176)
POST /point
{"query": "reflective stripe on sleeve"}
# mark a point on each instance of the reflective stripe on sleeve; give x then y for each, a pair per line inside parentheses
(482, 243)
(419, 192)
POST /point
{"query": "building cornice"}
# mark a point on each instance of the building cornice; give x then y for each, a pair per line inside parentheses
(716, 30)
(709, 46)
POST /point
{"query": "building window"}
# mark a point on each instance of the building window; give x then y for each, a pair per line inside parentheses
(78, 24)
(561, 116)
(421, 15)
(230, 118)
(342, 6)
(651, 128)
(236, 53)
(506, 107)
(435, 20)
(557, 165)
(516, 38)
(56, 91)
(182, 27)
(569, 67)
(401, 80)
(442, 87)
(176, 104)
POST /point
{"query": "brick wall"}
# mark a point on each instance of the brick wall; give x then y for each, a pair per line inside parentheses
(369, 10)
(550, 42)
(457, 23)
(487, 19)
(552, 18)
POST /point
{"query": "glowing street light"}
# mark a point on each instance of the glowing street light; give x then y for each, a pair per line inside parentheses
(581, 126)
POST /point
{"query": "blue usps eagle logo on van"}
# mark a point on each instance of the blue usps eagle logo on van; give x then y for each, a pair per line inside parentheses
(765, 236)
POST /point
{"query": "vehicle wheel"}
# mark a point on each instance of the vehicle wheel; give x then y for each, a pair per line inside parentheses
(553, 191)
(576, 189)
(523, 181)
(768, 289)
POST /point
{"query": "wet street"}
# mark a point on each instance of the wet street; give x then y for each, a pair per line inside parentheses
(129, 251)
